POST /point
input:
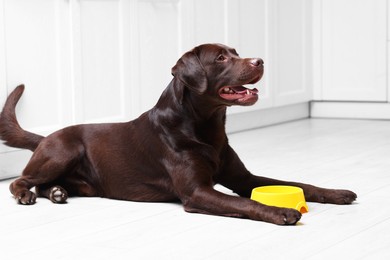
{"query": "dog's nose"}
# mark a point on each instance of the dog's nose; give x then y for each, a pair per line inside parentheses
(256, 62)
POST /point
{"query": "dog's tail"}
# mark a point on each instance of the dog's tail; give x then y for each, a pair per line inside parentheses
(10, 130)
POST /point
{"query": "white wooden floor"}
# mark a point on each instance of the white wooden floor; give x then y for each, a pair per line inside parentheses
(331, 153)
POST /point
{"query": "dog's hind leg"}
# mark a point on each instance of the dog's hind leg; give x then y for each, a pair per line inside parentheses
(20, 188)
(21, 191)
(50, 161)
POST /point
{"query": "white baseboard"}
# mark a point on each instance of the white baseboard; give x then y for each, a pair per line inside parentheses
(265, 117)
(350, 110)
(12, 163)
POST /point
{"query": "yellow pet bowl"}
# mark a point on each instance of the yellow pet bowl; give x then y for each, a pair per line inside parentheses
(281, 196)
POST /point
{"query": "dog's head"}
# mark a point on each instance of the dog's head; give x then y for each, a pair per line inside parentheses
(218, 70)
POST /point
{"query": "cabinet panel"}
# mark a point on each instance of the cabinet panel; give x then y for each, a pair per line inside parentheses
(101, 62)
(210, 23)
(292, 51)
(354, 50)
(158, 48)
(32, 58)
(97, 37)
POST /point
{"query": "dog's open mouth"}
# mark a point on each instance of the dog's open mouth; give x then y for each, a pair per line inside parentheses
(240, 95)
(237, 92)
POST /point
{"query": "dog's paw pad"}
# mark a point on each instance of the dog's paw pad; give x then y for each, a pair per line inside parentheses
(58, 195)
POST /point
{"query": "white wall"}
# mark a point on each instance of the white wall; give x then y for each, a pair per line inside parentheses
(109, 60)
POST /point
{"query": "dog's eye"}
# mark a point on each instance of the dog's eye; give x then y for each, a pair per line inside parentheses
(221, 58)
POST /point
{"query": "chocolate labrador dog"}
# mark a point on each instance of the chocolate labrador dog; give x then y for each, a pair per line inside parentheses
(177, 150)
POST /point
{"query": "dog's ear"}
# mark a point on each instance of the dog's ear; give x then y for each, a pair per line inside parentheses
(190, 71)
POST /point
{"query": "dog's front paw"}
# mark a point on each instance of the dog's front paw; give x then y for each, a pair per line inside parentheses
(285, 216)
(339, 197)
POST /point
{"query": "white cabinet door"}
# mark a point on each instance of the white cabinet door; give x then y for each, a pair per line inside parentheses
(353, 49)
(292, 52)
(34, 53)
(158, 28)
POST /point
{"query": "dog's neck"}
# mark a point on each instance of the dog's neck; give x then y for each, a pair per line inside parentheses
(178, 105)
(178, 98)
